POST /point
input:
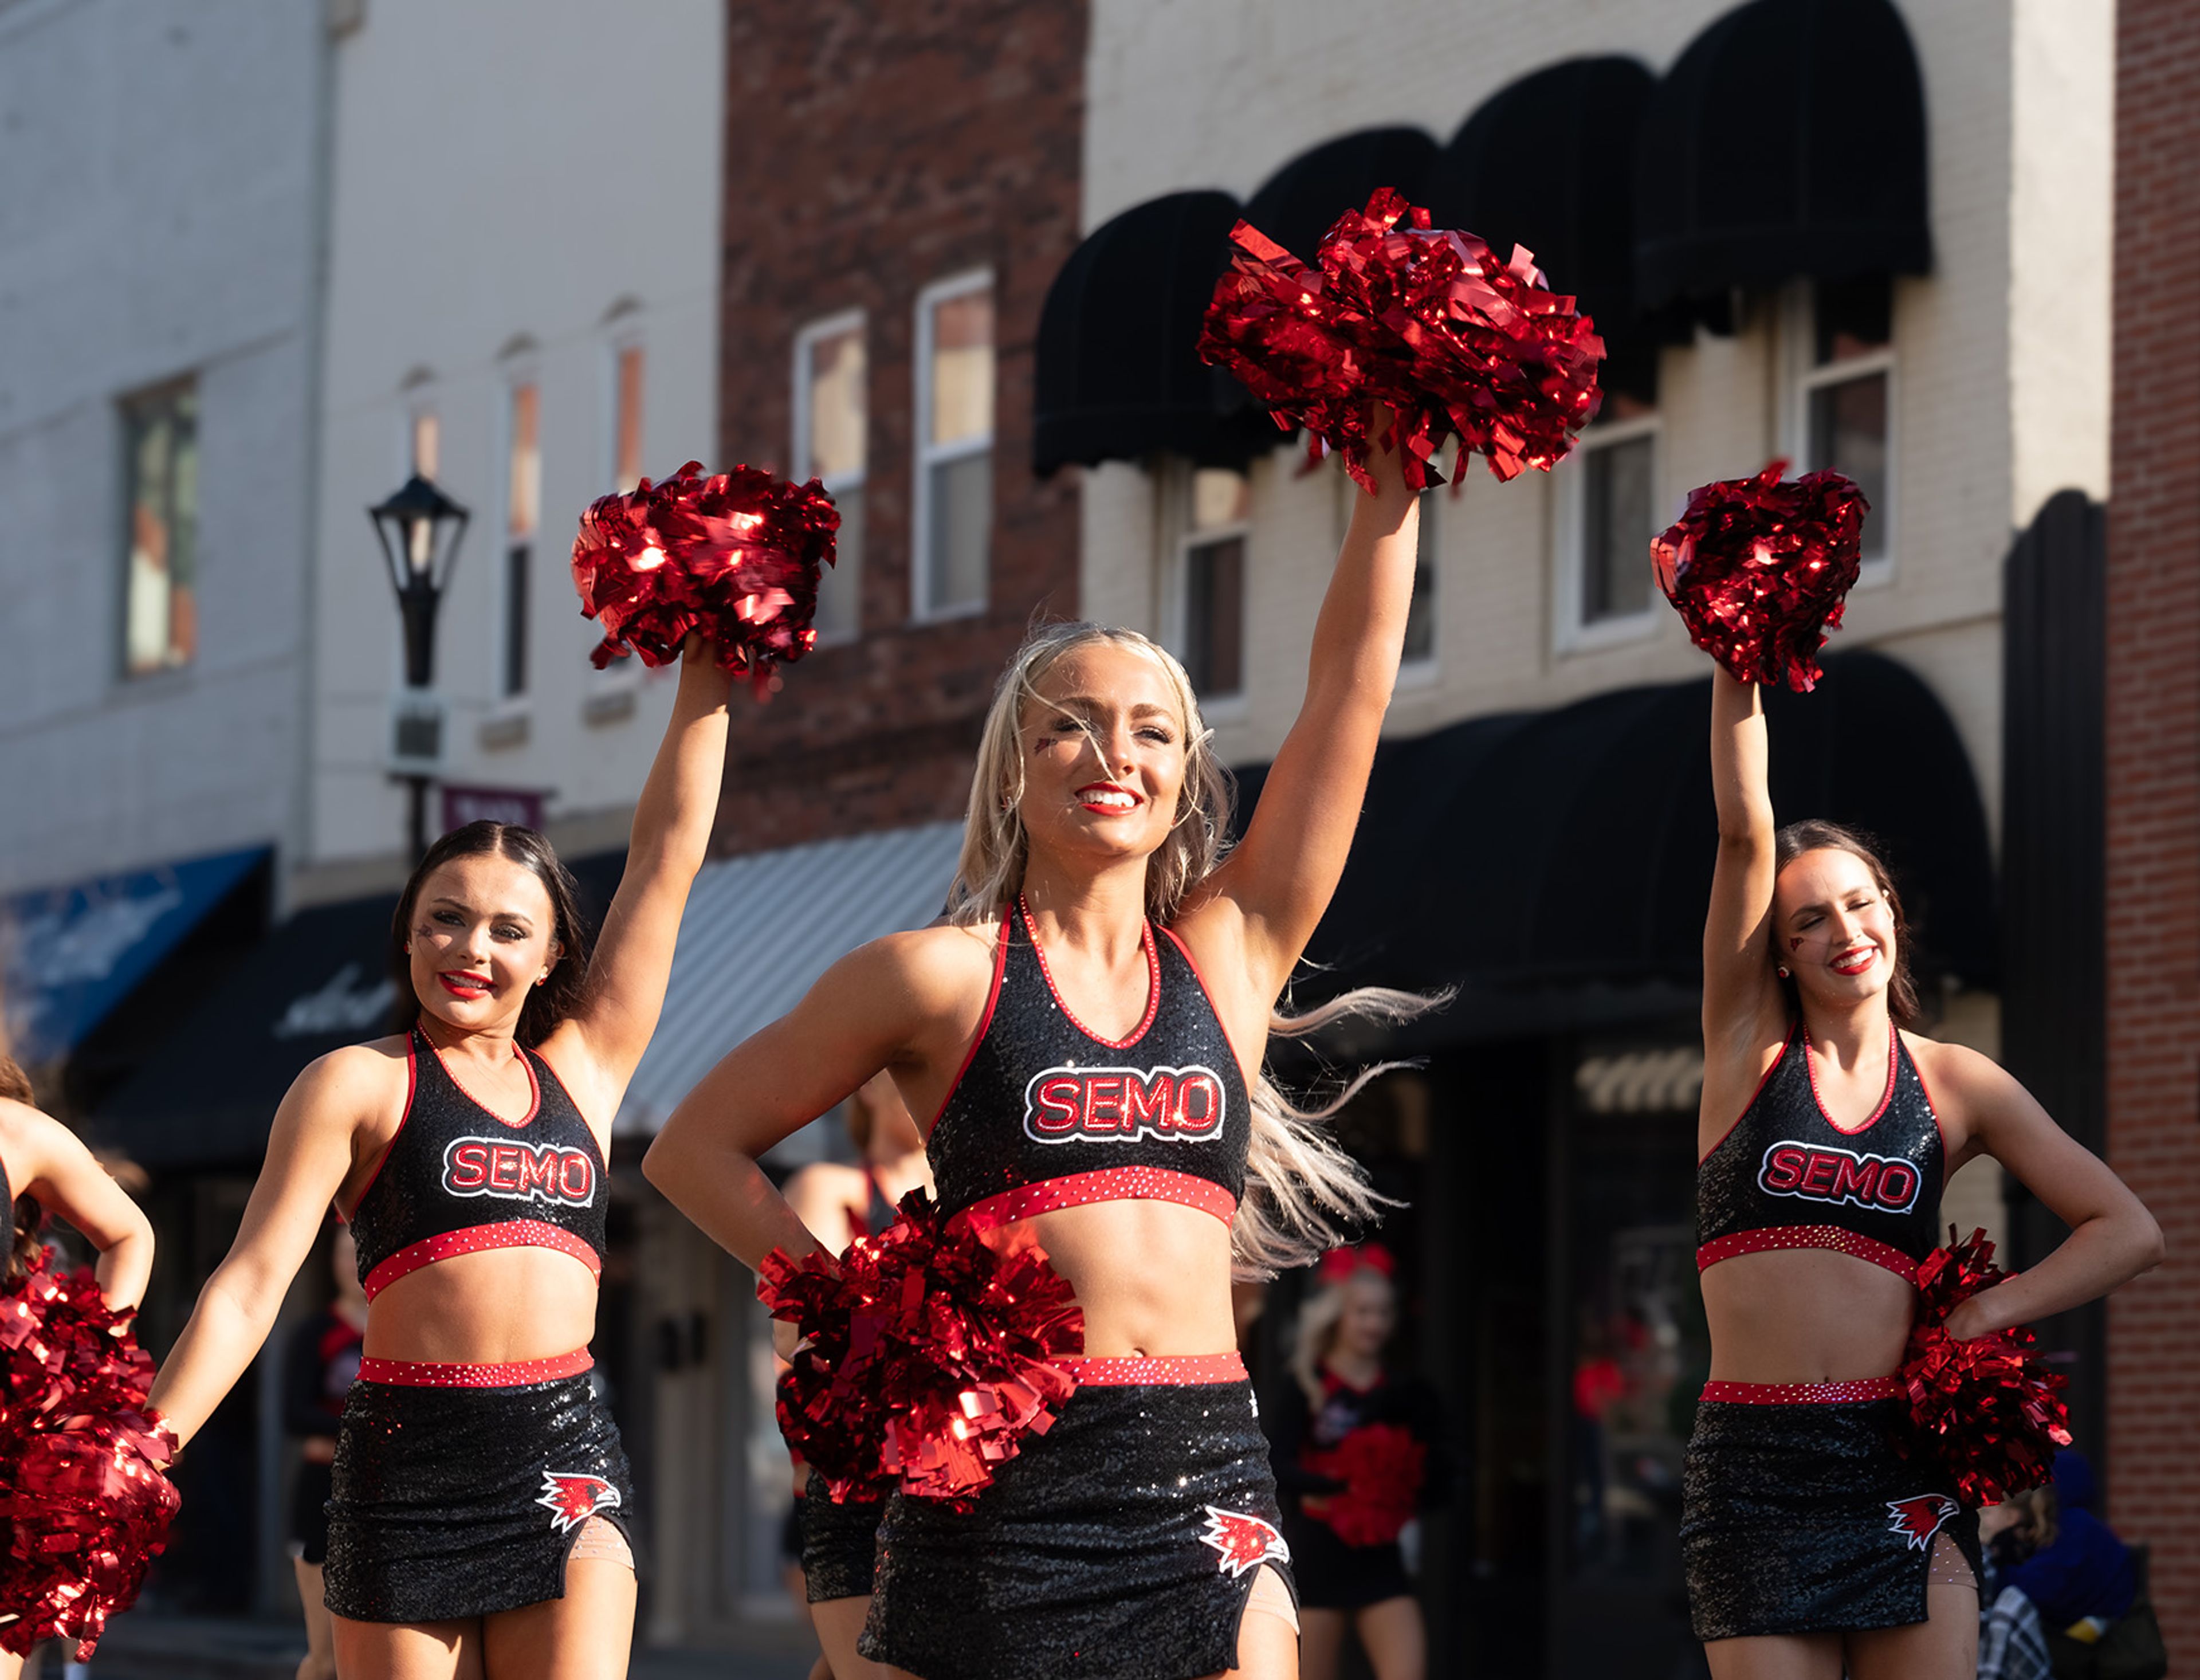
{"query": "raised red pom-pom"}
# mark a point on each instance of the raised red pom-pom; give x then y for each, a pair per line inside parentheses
(931, 1352)
(1381, 1467)
(736, 555)
(1759, 571)
(82, 1500)
(1456, 340)
(1987, 1410)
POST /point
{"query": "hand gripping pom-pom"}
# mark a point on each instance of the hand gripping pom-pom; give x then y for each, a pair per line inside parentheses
(83, 1499)
(930, 1353)
(736, 555)
(1381, 1467)
(1758, 569)
(1987, 1410)
(1455, 340)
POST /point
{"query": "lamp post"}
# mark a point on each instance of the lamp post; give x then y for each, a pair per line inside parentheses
(419, 529)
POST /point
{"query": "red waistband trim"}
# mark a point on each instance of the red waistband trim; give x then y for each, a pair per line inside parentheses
(1108, 1184)
(511, 1233)
(1805, 1394)
(1169, 1370)
(436, 1374)
(1808, 1237)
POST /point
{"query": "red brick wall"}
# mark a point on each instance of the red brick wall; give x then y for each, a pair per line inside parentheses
(874, 146)
(2154, 797)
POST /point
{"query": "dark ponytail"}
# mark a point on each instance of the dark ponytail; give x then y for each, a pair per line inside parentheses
(559, 995)
(1815, 833)
(26, 1215)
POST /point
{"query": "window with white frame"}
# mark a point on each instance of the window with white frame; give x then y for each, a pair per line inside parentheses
(161, 505)
(832, 417)
(628, 367)
(1847, 395)
(1421, 615)
(954, 445)
(1608, 504)
(523, 514)
(1211, 573)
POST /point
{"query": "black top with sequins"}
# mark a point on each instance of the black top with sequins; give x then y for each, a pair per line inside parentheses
(1047, 1113)
(457, 1178)
(1785, 1177)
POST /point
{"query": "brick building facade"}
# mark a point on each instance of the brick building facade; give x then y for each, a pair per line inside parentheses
(2153, 818)
(872, 151)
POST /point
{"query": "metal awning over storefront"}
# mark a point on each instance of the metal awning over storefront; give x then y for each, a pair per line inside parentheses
(1299, 203)
(1789, 141)
(68, 955)
(760, 929)
(1554, 866)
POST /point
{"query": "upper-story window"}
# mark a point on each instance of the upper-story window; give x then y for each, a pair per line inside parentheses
(160, 442)
(954, 445)
(627, 367)
(1607, 514)
(832, 416)
(523, 515)
(1848, 393)
(1211, 566)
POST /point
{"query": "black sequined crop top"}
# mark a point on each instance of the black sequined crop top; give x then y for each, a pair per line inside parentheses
(1047, 1113)
(1785, 1177)
(458, 1178)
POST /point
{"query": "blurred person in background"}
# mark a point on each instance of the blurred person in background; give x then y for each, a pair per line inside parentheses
(1344, 1529)
(318, 1371)
(478, 1523)
(2047, 1544)
(833, 1546)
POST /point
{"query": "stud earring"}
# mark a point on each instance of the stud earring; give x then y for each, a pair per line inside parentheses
(1783, 974)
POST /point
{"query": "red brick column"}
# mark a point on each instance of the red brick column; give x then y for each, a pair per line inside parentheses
(2153, 706)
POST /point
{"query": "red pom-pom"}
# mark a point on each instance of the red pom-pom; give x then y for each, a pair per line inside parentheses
(1380, 1464)
(1758, 569)
(930, 1353)
(1455, 341)
(82, 1496)
(1987, 1410)
(736, 555)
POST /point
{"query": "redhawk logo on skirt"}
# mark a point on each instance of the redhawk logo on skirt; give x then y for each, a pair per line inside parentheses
(1817, 1172)
(1918, 1518)
(573, 1499)
(1118, 1105)
(1245, 1542)
(520, 1172)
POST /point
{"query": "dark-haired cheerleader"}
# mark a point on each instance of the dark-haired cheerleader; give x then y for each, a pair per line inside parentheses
(479, 1519)
(1826, 1135)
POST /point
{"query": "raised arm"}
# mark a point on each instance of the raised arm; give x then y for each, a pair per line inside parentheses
(1741, 996)
(309, 1155)
(47, 1160)
(1280, 879)
(671, 835)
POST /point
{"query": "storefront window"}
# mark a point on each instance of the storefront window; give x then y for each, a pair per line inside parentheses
(1213, 569)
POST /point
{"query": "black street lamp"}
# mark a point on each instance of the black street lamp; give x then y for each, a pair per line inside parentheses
(419, 529)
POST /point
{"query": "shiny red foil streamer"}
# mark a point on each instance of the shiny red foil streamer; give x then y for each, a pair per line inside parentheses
(1987, 1410)
(82, 1495)
(1432, 322)
(1759, 571)
(930, 1351)
(735, 555)
(1381, 1467)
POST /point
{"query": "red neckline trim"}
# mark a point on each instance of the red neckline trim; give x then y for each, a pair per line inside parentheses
(1886, 1096)
(533, 1085)
(1764, 1080)
(1153, 983)
(404, 1119)
(985, 1025)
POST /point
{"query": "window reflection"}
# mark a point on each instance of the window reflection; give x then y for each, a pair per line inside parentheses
(160, 610)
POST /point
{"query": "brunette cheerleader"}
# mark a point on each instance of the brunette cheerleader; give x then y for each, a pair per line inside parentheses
(1811, 1543)
(1086, 1034)
(479, 1520)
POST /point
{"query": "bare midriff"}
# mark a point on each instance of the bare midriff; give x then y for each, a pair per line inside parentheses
(501, 1306)
(1805, 1315)
(1152, 1277)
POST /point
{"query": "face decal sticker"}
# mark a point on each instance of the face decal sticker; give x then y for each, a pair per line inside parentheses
(1919, 1518)
(573, 1499)
(1245, 1542)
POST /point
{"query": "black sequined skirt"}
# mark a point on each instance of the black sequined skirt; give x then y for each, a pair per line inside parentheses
(1808, 1519)
(1122, 1544)
(449, 1504)
(839, 1542)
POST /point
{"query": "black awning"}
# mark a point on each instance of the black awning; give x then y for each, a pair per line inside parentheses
(1119, 376)
(1789, 141)
(1547, 161)
(1302, 199)
(205, 1096)
(1554, 866)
